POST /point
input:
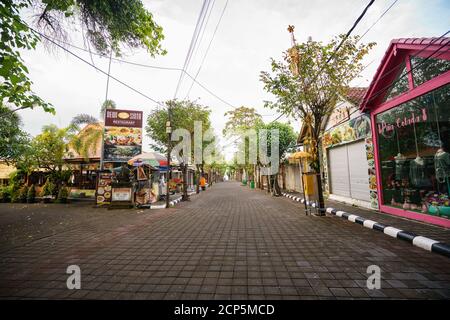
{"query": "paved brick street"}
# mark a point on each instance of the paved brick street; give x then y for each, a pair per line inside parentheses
(227, 243)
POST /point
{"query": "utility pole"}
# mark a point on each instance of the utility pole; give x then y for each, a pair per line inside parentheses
(168, 131)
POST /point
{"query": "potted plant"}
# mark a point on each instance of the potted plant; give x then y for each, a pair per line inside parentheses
(172, 186)
(438, 204)
(23, 193)
(47, 191)
(31, 195)
(63, 194)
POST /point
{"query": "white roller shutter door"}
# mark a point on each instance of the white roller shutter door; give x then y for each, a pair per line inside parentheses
(348, 171)
(359, 171)
(338, 171)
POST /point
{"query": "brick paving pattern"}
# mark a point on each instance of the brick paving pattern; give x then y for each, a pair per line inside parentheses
(227, 243)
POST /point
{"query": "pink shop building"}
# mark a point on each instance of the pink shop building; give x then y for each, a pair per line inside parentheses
(409, 105)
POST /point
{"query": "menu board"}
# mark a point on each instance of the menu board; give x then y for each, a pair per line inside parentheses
(123, 135)
(121, 194)
(104, 189)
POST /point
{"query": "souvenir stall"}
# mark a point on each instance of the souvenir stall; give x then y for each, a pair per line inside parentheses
(147, 172)
(410, 116)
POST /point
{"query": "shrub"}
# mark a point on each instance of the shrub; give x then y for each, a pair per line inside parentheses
(15, 195)
(23, 193)
(31, 195)
(63, 194)
(48, 188)
(5, 194)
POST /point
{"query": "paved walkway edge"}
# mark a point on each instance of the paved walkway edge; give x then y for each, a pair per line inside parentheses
(171, 203)
(416, 240)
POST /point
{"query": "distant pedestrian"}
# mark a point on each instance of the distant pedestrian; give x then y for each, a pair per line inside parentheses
(203, 183)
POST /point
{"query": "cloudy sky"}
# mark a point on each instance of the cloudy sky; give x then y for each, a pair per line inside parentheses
(250, 32)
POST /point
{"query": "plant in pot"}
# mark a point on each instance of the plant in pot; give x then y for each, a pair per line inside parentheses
(47, 191)
(63, 194)
(31, 195)
(23, 193)
(438, 204)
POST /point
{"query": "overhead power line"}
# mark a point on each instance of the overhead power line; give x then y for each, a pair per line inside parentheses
(151, 67)
(197, 30)
(379, 18)
(95, 67)
(207, 49)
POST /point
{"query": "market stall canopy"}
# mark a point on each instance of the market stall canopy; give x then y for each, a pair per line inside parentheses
(153, 159)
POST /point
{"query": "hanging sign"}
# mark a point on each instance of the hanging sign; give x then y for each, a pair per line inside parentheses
(123, 135)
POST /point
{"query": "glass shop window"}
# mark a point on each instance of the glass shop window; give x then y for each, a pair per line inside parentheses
(414, 154)
(427, 69)
(400, 83)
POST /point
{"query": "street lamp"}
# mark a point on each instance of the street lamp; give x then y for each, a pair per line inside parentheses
(168, 131)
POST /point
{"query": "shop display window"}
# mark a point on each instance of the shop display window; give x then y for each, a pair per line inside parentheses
(426, 69)
(400, 83)
(414, 153)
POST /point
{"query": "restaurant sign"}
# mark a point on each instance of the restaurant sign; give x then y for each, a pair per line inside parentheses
(123, 135)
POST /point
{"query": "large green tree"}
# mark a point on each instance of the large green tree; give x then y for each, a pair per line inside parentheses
(239, 121)
(309, 82)
(286, 141)
(107, 25)
(13, 140)
(183, 116)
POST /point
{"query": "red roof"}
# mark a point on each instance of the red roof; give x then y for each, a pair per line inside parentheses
(356, 94)
(391, 58)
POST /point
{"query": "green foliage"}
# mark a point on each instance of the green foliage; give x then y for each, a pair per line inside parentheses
(23, 193)
(5, 193)
(305, 85)
(48, 188)
(286, 135)
(184, 114)
(108, 104)
(63, 194)
(240, 120)
(31, 194)
(13, 140)
(15, 86)
(49, 147)
(107, 24)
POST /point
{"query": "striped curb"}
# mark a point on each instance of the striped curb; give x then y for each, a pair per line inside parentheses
(416, 240)
(171, 203)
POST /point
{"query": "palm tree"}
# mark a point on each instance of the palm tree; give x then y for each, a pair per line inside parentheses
(108, 104)
(85, 139)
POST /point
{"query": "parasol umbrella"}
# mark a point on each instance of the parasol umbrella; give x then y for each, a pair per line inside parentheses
(153, 159)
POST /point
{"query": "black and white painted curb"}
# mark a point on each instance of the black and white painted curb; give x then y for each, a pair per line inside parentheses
(171, 203)
(416, 240)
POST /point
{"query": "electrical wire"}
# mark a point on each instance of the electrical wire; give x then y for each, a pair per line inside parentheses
(339, 45)
(95, 67)
(379, 18)
(151, 67)
(199, 25)
(207, 49)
